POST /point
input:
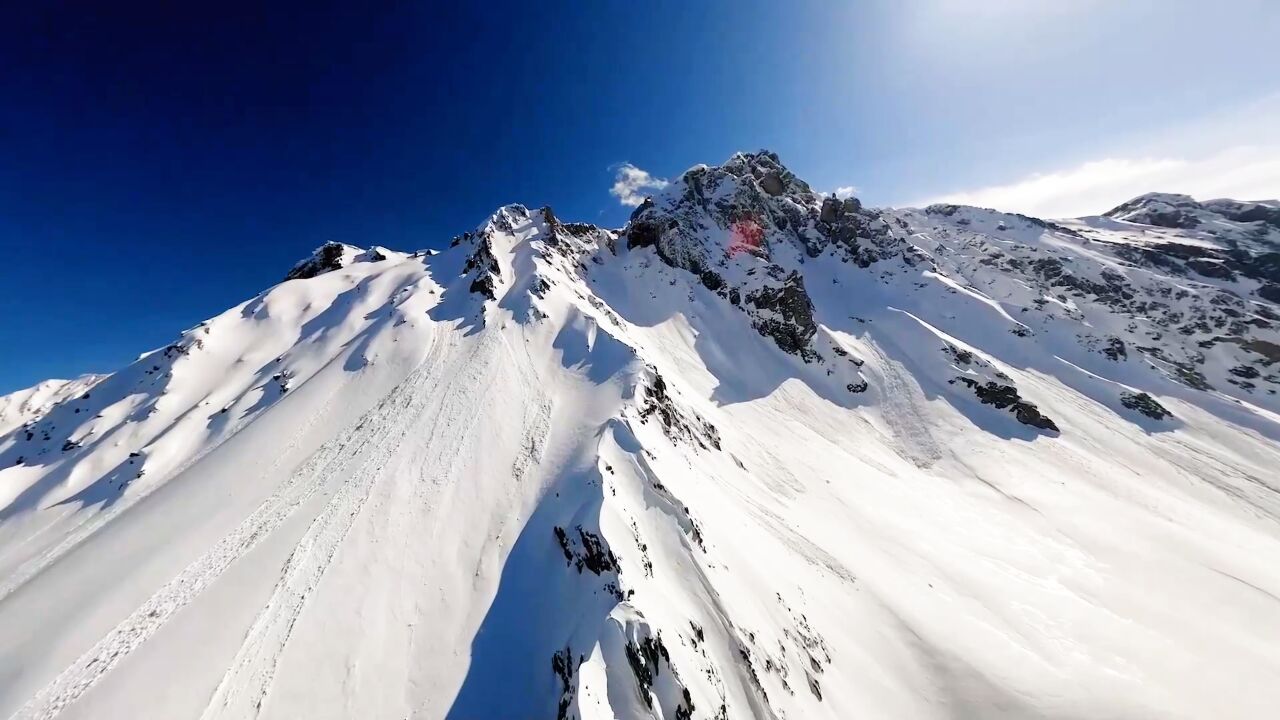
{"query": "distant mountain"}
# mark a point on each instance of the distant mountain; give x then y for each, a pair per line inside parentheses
(760, 453)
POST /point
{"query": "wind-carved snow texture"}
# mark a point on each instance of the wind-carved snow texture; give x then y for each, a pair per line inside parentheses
(758, 454)
(367, 449)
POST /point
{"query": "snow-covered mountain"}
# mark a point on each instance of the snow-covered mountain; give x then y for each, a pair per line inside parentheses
(758, 454)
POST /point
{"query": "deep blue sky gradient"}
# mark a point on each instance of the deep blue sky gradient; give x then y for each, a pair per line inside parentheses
(160, 162)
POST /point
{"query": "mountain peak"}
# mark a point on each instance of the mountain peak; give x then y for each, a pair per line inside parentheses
(762, 168)
(506, 217)
(721, 463)
(326, 258)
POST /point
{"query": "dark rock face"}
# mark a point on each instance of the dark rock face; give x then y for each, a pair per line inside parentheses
(830, 210)
(644, 233)
(790, 320)
(677, 424)
(724, 225)
(1244, 235)
(565, 668)
(1248, 372)
(483, 285)
(645, 658)
(1222, 264)
(1211, 269)
(587, 551)
(1007, 397)
(1172, 218)
(772, 183)
(1144, 404)
(1264, 267)
(958, 356)
(1113, 289)
(1246, 212)
(1268, 350)
(1115, 349)
(325, 258)
(1185, 371)
(1159, 209)
(483, 265)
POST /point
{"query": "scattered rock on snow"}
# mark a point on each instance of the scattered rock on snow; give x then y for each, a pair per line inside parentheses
(1145, 404)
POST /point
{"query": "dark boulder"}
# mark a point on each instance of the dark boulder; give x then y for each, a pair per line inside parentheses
(772, 183)
(1029, 414)
(1144, 404)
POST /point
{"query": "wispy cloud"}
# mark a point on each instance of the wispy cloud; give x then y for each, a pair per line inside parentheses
(630, 184)
(1241, 172)
(845, 191)
(1230, 151)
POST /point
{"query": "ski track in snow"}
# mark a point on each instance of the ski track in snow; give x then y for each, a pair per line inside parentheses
(372, 433)
(244, 688)
(536, 422)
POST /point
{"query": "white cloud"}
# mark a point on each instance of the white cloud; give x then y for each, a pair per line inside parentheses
(1241, 172)
(845, 191)
(630, 184)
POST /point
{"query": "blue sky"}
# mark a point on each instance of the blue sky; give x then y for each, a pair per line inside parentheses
(161, 162)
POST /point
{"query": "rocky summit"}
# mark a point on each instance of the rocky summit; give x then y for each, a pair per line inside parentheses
(760, 453)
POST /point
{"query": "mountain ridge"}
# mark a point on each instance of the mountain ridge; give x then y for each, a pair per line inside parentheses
(759, 453)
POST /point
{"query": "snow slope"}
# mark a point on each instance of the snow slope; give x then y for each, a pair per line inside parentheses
(759, 454)
(25, 406)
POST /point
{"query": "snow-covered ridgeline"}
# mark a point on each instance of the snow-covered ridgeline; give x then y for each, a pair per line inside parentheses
(760, 453)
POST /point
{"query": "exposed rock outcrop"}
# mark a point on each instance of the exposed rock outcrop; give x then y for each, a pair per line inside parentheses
(326, 258)
(1145, 404)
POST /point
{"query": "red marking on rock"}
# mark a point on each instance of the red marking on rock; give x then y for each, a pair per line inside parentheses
(746, 235)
